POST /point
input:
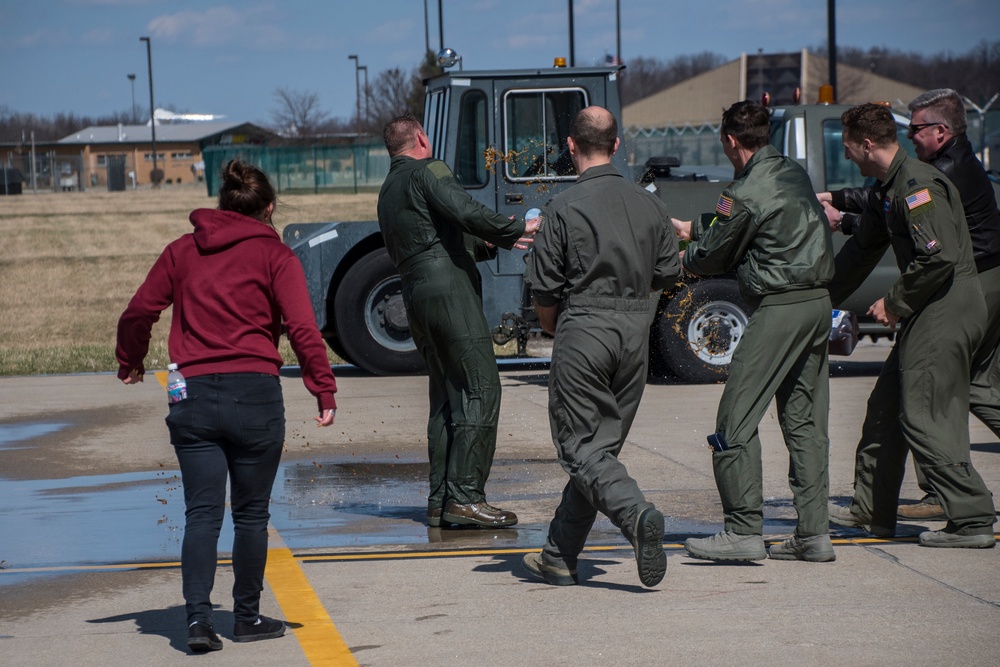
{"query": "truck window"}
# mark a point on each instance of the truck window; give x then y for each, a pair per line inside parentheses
(435, 113)
(840, 172)
(470, 163)
(536, 124)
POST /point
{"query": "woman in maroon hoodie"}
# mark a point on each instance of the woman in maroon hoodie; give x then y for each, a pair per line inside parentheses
(231, 283)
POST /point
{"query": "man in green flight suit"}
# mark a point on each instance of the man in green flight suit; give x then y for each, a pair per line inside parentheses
(604, 246)
(921, 398)
(771, 229)
(434, 233)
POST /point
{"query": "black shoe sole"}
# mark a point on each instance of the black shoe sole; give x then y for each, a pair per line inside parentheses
(650, 557)
(260, 637)
(203, 645)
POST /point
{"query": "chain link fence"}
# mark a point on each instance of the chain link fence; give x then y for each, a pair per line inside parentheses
(694, 146)
(349, 168)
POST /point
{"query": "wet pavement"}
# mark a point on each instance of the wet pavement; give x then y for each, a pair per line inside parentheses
(91, 518)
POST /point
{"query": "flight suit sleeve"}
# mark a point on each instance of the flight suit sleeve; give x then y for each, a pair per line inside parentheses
(547, 264)
(453, 203)
(934, 234)
(860, 254)
(668, 265)
(479, 249)
(719, 248)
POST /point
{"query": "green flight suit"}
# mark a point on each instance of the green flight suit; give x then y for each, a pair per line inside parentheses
(770, 227)
(921, 398)
(604, 246)
(434, 233)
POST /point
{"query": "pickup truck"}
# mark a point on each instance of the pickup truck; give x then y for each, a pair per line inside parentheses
(503, 133)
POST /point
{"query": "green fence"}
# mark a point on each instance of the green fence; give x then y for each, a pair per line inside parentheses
(306, 168)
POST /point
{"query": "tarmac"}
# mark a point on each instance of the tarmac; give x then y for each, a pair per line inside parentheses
(91, 515)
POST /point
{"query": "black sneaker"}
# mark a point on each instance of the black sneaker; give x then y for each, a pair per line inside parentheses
(202, 638)
(264, 628)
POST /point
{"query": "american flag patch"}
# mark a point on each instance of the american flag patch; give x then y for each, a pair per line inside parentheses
(932, 244)
(918, 198)
(725, 206)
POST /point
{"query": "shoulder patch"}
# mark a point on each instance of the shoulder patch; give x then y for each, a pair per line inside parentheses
(724, 206)
(911, 183)
(439, 169)
(918, 199)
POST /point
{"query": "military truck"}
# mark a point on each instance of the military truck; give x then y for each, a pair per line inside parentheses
(503, 133)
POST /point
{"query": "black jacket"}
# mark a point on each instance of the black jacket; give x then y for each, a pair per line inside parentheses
(957, 161)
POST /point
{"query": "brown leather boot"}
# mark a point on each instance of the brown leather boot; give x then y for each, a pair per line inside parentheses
(477, 514)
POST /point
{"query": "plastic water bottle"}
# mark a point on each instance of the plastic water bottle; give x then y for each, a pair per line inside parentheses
(177, 388)
(532, 214)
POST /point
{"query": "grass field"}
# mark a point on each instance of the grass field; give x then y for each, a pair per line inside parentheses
(70, 262)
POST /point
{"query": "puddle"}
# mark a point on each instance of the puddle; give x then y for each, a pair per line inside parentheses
(139, 517)
(322, 504)
(11, 434)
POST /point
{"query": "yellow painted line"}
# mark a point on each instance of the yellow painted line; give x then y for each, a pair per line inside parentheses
(313, 628)
(403, 555)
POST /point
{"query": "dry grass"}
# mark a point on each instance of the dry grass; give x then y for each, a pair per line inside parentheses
(70, 262)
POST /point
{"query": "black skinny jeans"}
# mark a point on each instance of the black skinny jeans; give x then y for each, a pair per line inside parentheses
(230, 426)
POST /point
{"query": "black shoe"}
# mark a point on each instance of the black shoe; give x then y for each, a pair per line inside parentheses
(477, 514)
(649, 555)
(202, 638)
(264, 628)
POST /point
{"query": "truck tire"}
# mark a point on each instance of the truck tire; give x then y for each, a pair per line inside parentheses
(370, 318)
(698, 329)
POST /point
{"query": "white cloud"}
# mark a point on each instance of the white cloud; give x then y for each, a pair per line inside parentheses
(217, 26)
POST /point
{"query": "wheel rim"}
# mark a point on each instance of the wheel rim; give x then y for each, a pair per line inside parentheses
(385, 316)
(715, 330)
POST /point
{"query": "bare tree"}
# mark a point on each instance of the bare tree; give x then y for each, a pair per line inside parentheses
(298, 113)
(645, 76)
(390, 95)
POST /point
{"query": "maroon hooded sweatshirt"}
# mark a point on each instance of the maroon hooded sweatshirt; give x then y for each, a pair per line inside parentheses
(231, 283)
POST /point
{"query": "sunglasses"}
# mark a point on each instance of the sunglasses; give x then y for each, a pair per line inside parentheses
(916, 127)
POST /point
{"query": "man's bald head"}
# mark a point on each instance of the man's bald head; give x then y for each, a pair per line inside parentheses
(594, 132)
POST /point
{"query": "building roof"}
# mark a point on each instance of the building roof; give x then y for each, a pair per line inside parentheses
(141, 134)
(700, 100)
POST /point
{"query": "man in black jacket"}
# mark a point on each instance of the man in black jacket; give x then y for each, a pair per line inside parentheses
(937, 130)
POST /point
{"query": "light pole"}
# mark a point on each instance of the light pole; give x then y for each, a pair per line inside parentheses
(572, 56)
(441, 25)
(131, 78)
(365, 69)
(618, 31)
(154, 175)
(427, 30)
(357, 87)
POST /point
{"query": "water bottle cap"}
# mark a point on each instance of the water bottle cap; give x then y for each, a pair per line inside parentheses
(171, 367)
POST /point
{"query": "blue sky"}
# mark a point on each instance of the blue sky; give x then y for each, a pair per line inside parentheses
(226, 57)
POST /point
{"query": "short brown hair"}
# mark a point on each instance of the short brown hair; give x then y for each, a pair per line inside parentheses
(870, 121)
(593, 132)
(749, 123)
(399, 133)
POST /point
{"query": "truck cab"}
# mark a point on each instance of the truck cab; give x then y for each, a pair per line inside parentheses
(504, 135)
